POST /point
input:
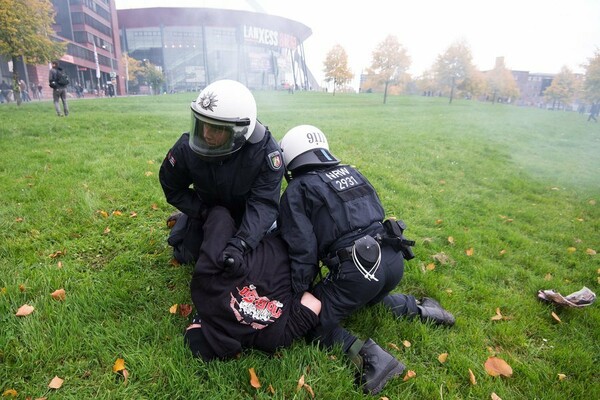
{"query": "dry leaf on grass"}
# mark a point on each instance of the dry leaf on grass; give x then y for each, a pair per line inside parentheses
(173, 309)
(300, 383)
(494, 396)
(185, 310)
(562, 377)
(55, 383)
(59, 294)
(472, 377)
(443, 357)
(254, 382)
(24, 310)
(470, 251)
(119, 365)
(555, 317)
(10, 392)
(495, 366)
(409, 375)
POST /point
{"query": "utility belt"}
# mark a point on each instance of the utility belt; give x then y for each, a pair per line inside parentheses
(365, 252)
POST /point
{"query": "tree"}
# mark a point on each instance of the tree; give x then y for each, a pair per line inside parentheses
(591, 84)
(336, 67)
(454, 66)
(563, 88)
(154, 76)
(501, 82)
(389, 63)
(26, 34)
(133, 69)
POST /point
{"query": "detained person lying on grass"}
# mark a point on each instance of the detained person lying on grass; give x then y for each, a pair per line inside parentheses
(250, 306)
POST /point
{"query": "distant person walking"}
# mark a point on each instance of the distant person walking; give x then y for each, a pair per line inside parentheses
(58, 82)
(594, 111)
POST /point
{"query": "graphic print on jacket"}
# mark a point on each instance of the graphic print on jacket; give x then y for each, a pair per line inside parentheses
(252, 309)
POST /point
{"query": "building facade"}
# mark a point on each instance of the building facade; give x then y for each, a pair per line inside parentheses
(196, 46)
(92, 58)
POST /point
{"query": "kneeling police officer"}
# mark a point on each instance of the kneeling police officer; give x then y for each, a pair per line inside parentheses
(330, 213)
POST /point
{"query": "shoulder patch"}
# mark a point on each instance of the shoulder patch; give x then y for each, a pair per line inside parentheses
(172, 159)
(275, 161)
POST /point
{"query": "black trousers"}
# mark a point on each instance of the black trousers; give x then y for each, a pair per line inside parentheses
(186, 238)
(345, 290)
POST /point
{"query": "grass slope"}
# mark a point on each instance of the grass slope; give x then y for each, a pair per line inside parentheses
(519, 186)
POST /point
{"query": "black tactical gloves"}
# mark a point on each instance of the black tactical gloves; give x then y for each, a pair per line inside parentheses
(233, 256)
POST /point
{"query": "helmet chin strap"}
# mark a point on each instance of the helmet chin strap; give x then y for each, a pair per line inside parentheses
(258, 134)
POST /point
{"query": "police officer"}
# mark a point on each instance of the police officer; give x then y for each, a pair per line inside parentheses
(331, 213)
(253, 309)
(229, 159)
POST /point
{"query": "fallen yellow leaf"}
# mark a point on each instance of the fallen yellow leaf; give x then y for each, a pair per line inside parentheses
(562, 377)
(472, 377)
(271, 389)
(406, 343)
(498, 315)
(443, 357)
(254, 382)
(555, 317)
(430, 267)
(300, 383)
(591, 252)
(55, 383)
(450, 240)
(173, 309)
(495, 396)
(394, 346)
(117, 213)
(24, 310)
(470, 252)
(58, 294)
(10, 392)
(571, 249)
(119, 365)
(22, 288)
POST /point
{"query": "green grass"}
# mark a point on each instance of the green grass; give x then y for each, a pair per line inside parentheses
(494, 177)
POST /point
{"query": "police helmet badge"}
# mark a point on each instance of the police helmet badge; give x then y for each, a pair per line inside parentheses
(275, 161)
(208, 101)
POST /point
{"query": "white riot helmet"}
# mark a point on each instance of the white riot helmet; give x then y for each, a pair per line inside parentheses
(305, 145)
(223, 119)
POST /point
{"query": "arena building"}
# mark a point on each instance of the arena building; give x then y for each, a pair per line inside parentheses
(196, 46)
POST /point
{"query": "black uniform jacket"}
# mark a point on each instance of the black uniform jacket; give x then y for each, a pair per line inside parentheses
(236, 310)
(322, 211)
(248, 184)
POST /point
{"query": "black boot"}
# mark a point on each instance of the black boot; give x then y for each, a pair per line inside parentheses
(376, 366)
(432, 311)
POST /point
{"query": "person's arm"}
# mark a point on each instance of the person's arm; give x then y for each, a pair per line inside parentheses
(176, 181)
(297, 231)
(262, 206)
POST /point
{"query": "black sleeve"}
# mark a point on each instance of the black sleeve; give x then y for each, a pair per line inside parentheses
(298, 233)
(262, 207)
(176, 181)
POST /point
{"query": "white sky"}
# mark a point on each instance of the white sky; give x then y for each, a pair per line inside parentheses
(531, 35)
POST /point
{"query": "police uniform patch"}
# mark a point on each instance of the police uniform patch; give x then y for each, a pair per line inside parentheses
(275, 160)
(172, 159)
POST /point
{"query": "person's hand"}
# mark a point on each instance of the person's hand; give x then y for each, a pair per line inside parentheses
(233, 257)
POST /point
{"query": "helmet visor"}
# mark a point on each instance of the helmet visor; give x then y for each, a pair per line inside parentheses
(215, 140)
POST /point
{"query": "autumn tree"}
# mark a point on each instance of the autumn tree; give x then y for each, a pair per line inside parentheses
(154, 76)
(389, 63)
(563, 89)
(336, 67)
(454, 66)
(591, 84)
(134, 68)
(26, 34)
(501, 82)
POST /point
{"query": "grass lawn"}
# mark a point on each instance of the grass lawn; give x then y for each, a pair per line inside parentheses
(502, 201)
